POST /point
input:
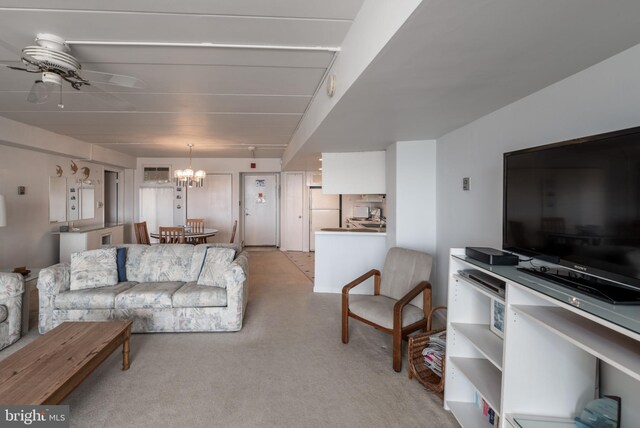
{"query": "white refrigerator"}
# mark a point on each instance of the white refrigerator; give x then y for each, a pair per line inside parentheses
(325, 213)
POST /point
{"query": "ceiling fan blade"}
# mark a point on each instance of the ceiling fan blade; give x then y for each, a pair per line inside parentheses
(35, 64)
(107, 97)
(112, 79)
(8, 46)
(39, 92)
(13, 67)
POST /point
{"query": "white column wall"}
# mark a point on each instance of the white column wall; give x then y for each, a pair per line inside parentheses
(411, 198)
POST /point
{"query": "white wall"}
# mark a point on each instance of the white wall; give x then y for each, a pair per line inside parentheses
(602, 98)
(27, 238)
(233, 166)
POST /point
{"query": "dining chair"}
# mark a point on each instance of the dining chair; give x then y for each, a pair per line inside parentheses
(142, 234)
(233, 231)
(197, 226)
(172, 235)
(393, 308)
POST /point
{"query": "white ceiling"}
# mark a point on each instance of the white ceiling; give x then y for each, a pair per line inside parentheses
(454, 61)
(222, 100)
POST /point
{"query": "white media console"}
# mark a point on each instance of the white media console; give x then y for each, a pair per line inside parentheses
(547, 363)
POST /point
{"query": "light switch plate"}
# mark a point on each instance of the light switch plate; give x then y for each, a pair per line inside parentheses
(465, 183)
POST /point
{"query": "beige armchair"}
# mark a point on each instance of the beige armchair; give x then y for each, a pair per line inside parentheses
(395, 306)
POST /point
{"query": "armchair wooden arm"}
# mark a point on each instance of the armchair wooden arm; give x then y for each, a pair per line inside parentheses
(362, 278)
(423, 287)
(345, 298)
(404, 301)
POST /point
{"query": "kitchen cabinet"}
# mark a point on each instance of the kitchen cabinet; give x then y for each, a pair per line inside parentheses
(354, 173)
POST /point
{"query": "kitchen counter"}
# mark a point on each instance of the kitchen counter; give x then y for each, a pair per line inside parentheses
(365, 223)
(342, 255)
(354, 230)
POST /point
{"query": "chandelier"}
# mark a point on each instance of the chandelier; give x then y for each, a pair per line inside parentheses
(188, 178)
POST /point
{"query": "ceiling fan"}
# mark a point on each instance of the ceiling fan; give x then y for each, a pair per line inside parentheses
(51, 58)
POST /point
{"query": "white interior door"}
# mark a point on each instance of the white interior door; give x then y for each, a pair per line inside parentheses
(156, 207)
(111, 208)
(213, 203)
(260, 210)
(293, 206)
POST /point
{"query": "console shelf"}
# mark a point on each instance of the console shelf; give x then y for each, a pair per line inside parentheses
(610, 346)
(468, 414)
(484, 376)
(559, 350)
(484, 340)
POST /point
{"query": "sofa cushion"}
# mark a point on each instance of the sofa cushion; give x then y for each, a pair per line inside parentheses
(200, 252)
(121, 262)
(91, 298)
(192, 295)
(157, 263)
(4, 313)
(215, 263)
(93, 268)
(379, 309)
(148, 295)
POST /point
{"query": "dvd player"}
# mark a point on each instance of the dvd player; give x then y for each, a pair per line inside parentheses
(490, 283)
(491, 256)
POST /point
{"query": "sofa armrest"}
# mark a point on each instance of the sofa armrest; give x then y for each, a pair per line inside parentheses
(236, 276)
(51, 282)
(54, 279)
(11, 284)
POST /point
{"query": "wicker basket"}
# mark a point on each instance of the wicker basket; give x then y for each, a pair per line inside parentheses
(417, 368)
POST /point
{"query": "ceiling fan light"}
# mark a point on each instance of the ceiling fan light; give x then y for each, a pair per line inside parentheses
(51, 79)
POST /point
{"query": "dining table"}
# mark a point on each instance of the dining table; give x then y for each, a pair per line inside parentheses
(190, 234)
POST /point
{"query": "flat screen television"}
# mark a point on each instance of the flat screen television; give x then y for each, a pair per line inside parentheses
(577, 204)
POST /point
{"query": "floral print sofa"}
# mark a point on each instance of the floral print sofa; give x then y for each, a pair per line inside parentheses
(161, 292)
(11, 289)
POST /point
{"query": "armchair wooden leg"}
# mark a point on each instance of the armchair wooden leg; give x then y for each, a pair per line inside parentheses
(397, 349)
(345, 319)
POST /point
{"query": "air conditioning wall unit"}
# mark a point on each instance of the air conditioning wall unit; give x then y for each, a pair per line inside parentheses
(157, 174)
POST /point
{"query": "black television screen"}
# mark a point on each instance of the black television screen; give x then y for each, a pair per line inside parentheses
(577, 203)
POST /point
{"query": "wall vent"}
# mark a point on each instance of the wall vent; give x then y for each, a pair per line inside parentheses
(157, 174)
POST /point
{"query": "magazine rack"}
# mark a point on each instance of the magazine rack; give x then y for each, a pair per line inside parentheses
(417, 368)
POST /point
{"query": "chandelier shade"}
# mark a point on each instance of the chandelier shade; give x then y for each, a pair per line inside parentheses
(187, 177)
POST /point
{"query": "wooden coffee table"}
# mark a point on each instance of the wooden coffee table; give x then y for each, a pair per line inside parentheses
(52, 366)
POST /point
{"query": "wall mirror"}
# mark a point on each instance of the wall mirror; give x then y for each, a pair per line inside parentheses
(70, 200)
(57, 199)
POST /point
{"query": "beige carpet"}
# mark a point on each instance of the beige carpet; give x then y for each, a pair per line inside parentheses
(286, 368)
(304, 261)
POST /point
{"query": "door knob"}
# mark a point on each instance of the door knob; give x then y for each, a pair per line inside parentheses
(299, 216)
